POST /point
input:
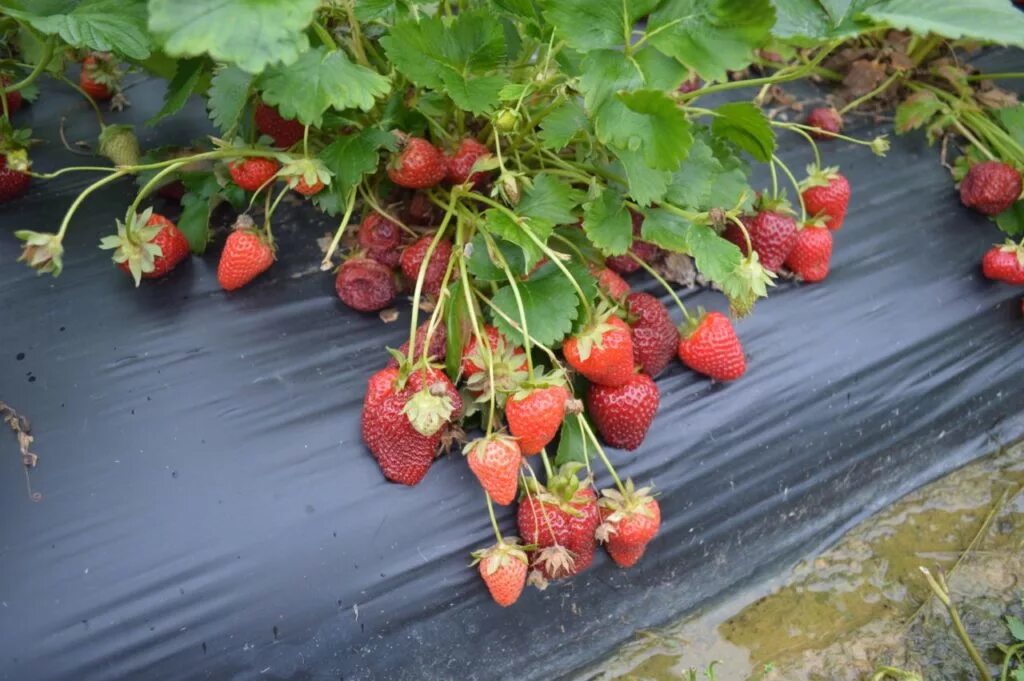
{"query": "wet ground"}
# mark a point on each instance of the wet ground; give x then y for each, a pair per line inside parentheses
(864, 603)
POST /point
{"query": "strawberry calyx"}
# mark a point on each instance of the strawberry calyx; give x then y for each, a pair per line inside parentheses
(310, 171)
(817, 222)
(549, 380)
(692, 323)
(623, 504)
(775, 204)
(593, 336)
(481, 442)
(501, 553)
(756, 279)
(133, 244)
(42, 251)
(429, 409)
(819, 177)
(1010, 246)
(101, 68)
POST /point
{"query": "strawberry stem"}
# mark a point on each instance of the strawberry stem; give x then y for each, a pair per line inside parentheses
(743, 229)
(584, 426)
(874, 93)
(422, 275)
(81, 197)
(796, 185)
(494, 520)
(775, 178)
(519, 302)
(515, 325)
(369, 199)
(350, 203)
(814, 145)
(658, 278)
(153, 182)
(547, 463)
(270, 212)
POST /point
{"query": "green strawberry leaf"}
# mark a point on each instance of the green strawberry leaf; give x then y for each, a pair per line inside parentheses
(318, 80)
(187, 77)
(481, 262)
(227, 30)
(992, 21)
(659, 128)
(917, 110)
(572, 443)
(646, 185)
(456, 58)
(747, 127)
(227, 97)
(607, 223)
(1012, 119)
(350, 158)
(196, 207)
(550, 303)
(580, 242)
(499, 224)
(716, 258)
(710, 177)
(563, 124)
(31, 48)
(1011, 220)
(588, 25)
(1016, 627)
(666, 230)
(810, 20)
(551, 200)
(711, 36)
(103, 25)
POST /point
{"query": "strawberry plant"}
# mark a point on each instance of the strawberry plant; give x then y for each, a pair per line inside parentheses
(499, 162)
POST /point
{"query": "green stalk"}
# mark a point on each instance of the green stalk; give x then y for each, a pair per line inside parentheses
(350, 204)
(81, 197)
(941, 590)
(153, 182)
(874, 93)
(519, 302)
(584, 426)
(31, 77)
(494, 520)
(481, 338)
(418, 290)
(796, 186)
(658, 278)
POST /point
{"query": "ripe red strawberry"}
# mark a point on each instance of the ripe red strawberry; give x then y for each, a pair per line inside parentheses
(13, 183)
(462, 161)
(96, 78)
(623, 415)
(420, 210)
(603, 353)
(811, 253)
(772, 234)
(629, 521)
(380, 238)
(826, 193)
(503, 569)
(389, 419)
(14, 99)
(560, 521)
(711, 347)
(365, 285)
(1004, 263)
(495, 462)
(147, 246)
(436, 349)
(990, 187)
(307, 189)
(689, 85)
(614, 286)
(246, 255)
(252, 173)
(655, 336)
(418, 165)
(826, 122)
(534, 416)
(413, 257)
(623, 264)
(284, 131)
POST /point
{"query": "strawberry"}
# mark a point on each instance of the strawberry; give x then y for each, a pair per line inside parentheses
(436, 349)
(420, 210)
(412, 260)
(14, 99)
(711, 347)
(98, 77)
(13, 183)
(365, 285)
(380, 238)
(418, 165)
(403, 419)
(173, 191)
(561, 521)
(252, 173)
(246, 255)
(461, 163)
(826, 121)
(508, 362)
(307, 189)
(614, 286)
(629, 520)
(623, 415)
(474, 360)
(811, 253)
(990, 187)
(826, 193)
(534, 415)
(1005, 263)
(284, 131)
(689, 85)
(655, 336)
(623, 264)
(503, 569)
(495, 462)
(147, 246)
(603, 352)
(772, 233)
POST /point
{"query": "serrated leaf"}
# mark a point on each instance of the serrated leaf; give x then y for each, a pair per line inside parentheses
(481, 264)
(715, 257)
(666, 230)
(456, 58)
(589, 25)
(563, 124)
(350, 158)
(646, 185)
(252, 34)
(607, 223)
(501, 225)
(318, 80)
(992, 21)
(711, 36)
(572, 443)
(1016, 627)
(1011, 220)
(747, 127)
(194, 221)
(227, 96)
(916, 110)
(103, 25)
(550, 303)
(1012, 120)
(550, 200)
(181, 87)
(660, 71)
(655, 126)
(31, 49)
(706, 180)
(812, 20)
